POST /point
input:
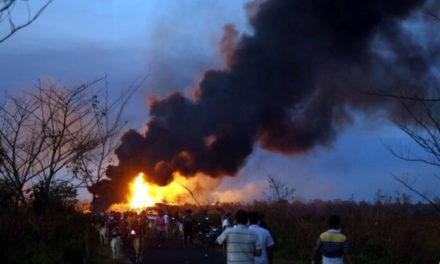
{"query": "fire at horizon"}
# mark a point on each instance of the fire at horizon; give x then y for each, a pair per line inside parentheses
(144, 194)
(183, 190)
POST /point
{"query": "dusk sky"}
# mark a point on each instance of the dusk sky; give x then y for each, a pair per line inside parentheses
(174, 43)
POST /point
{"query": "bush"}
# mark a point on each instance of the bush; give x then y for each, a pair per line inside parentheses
(60, 239)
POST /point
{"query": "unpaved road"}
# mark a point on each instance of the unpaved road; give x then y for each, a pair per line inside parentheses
(174, 252)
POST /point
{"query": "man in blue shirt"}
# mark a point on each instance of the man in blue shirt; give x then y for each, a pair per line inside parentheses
(333, 244)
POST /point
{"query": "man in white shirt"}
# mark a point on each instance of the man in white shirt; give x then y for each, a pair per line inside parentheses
(265, 239)
(166, 217)
(242, 244)
(227, 222)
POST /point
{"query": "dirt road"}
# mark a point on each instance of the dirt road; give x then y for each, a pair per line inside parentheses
(174, 252)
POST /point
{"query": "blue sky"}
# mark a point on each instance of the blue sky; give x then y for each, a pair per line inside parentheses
(174, 42)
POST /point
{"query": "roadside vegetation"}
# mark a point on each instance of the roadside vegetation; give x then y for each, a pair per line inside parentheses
(389, 230)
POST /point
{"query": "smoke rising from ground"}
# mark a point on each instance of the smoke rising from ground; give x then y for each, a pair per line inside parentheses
(290, 86)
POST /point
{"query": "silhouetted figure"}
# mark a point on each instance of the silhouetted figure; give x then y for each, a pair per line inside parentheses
(160, 229)
(188, 228)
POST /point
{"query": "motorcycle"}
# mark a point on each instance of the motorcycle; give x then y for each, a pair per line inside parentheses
(207, 234)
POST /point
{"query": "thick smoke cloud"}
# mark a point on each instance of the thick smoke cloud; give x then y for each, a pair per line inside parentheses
(289, 86)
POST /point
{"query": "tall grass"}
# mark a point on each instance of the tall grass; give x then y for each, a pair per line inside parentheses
(388, 232)
(382, 232)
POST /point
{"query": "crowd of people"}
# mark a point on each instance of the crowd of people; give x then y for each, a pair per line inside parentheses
(123, 228)
(125, 224)
(245, 239)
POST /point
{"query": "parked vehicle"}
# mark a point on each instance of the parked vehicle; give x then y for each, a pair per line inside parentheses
(206, 233)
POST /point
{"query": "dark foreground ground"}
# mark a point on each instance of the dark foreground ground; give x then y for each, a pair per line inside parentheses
(174, 252)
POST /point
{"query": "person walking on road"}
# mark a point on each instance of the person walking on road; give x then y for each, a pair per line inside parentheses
(242, 244)
(265, 240)
(188, 228)
(227, 222)
(160, 229)
(333, 244)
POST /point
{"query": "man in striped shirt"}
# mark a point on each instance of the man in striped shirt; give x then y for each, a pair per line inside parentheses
(333, 243)
(242, 244)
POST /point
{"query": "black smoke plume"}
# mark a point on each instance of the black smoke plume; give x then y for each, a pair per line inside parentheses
(289, 86)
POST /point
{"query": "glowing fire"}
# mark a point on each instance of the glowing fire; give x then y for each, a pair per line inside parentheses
(141, 197)
(144, 194)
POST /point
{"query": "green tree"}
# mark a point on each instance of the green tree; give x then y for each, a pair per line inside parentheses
(61, 196)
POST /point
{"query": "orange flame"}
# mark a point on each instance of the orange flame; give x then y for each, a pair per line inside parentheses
(141, 197)
(144, 194)
(182, 190)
